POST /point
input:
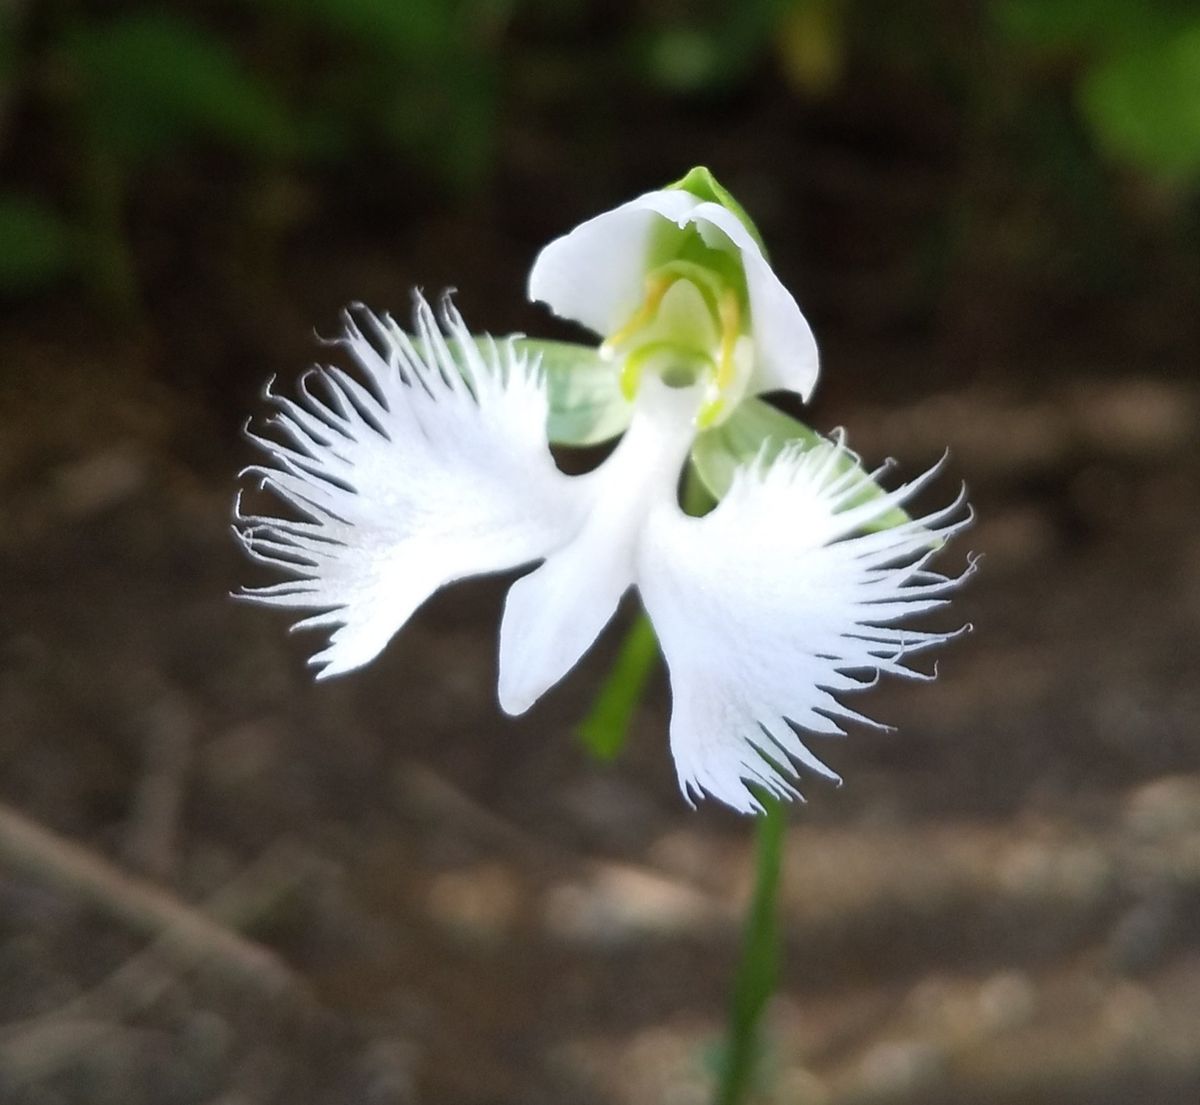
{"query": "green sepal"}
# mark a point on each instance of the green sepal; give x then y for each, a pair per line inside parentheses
(586, 404)
(701, 183)
(583, 389)
(758, 430)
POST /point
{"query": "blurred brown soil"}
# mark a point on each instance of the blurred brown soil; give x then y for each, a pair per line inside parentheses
(1000, 906)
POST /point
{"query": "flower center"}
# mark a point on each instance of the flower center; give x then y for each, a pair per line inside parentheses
(689, 327)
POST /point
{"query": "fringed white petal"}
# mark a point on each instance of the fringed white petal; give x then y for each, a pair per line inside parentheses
(435, 468)
(772, 605)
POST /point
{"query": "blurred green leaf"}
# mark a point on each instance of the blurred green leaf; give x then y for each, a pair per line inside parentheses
(1091, 24)
(811, 43)
(446, 118)
(686, 59)
(408, 29)
(35, 245)
(758, 430)
(699, 54)
(152, 81)
(422, 76)
(1144, 106)
(8, 48)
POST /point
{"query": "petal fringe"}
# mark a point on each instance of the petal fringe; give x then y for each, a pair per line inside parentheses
(773, 604)
(431, 467)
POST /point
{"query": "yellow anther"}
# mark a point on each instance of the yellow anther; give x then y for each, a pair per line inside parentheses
(631, 376)
(656, 287)
(729, 310)
(709, 412)
(642, 344)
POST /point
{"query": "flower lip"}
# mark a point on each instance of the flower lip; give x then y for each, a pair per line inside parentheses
(554, 614)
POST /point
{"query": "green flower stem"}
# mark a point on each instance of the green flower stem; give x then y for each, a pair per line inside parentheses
(758, 971)
(606, 726)
(604, 731)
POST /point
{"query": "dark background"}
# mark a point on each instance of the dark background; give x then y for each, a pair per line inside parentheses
(989, 214)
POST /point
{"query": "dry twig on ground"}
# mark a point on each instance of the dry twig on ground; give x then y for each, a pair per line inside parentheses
(183, 934)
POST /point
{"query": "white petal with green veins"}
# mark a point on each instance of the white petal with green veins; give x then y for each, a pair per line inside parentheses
(584, 390)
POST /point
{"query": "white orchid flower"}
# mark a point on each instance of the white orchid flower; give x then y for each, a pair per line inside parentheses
(677, 280)
(437, 466)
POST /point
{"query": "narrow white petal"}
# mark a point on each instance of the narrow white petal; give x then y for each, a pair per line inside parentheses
(434, 469)
(553, 615)
(769, 606)
(595, 274)
(785, 351)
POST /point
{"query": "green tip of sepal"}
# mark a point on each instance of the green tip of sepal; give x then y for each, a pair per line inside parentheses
(701, 183)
